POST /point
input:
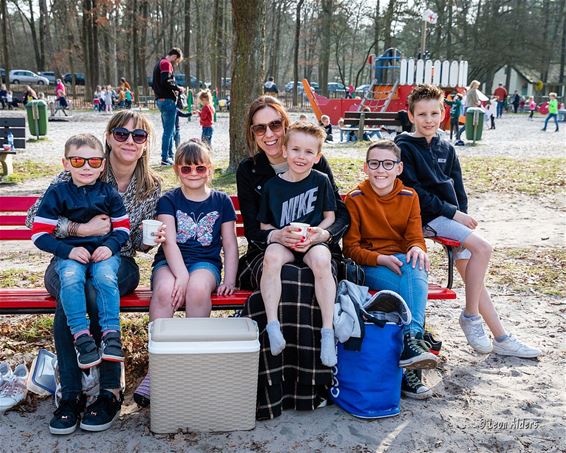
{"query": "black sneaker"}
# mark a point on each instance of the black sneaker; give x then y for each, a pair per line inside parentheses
(414, 355)
(66, 417)
(87, 352)
(433, 344)
(412, 385)
(112, 347)
(101, 414)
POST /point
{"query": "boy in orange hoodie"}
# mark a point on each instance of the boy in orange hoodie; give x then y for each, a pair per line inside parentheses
(386, 238)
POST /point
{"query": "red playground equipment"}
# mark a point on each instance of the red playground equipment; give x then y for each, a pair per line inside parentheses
(393, 79)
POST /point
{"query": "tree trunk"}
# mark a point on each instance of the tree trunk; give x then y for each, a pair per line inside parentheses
(296, 52)
(142, 79)
(5, 46)
(44, 33)
(248, 24)
(215, 45)
(326, 19)
(187, 43)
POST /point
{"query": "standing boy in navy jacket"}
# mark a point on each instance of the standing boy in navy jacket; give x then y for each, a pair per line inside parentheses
(80, 199)
(431, 167)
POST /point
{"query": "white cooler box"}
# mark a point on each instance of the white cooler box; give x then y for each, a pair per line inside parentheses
(203, 374)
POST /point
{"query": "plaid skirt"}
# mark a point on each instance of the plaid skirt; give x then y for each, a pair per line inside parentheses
(296, 378)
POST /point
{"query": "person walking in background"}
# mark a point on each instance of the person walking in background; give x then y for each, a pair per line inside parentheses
(516, 101)
(501, 94)
(532, 107)
(166, 90)
(552, 111)
(269, 87)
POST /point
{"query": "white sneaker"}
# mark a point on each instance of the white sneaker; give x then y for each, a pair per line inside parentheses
(475, 334)
(513, 347)
(5, 372)
(14, 389)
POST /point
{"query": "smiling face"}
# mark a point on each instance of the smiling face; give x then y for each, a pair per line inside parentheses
(127, 152)
(427, 115)
(382, 180)
(302, 152)
(272, 141)
(85, 175)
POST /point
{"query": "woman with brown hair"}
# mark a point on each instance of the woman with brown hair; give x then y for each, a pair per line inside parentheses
(127, 143)
(296, 378)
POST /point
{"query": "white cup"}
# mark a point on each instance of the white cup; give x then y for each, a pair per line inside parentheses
(150, 227)
(302, 226)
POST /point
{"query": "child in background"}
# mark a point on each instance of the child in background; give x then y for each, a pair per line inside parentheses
(186, 271)
(386, 238)
(491, 112)
(455, 112)
(552, 111)
(10, 99)
(108, 99)
(532, 107)
(325, 123)
(80, 199)
(303, 117)
(343, 133)
(304, 195)
(432, 169)
(206, 114)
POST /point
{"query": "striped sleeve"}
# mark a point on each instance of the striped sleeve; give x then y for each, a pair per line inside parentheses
(44, 224)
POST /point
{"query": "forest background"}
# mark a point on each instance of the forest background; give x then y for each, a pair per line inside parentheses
(248, 40)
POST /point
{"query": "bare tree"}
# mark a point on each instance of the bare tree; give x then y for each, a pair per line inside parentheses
(5, 46)
(296, 52)
(248, 24)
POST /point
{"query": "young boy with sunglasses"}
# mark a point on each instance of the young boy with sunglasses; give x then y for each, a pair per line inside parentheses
(80, 199)
(300, 194)
(432, 168)
(386, 238)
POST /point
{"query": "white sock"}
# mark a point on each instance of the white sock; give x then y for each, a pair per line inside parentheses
(327, 347)
(276, 340)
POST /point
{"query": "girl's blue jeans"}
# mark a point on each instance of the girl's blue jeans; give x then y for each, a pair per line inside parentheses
(72, 292)
(411, 285)
(69, 371)
(207, 135)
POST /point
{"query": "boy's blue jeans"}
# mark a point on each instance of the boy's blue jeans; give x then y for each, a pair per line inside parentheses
(103, 277)
(411, 285)
(549, 116)
(69, 371)
(207, 135)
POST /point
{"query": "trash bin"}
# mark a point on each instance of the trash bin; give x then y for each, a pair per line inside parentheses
(37, 117)
(474, 123)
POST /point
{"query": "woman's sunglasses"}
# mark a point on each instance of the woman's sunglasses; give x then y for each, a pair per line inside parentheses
(78, 162)
(261, 129)
(121, 134)
(188, 169)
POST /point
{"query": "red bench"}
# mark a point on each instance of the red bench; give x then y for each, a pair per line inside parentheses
(24, 301)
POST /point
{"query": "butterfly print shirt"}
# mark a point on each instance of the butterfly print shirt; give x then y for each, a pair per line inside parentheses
(198, 225)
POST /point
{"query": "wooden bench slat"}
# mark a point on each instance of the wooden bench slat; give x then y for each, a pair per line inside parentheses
(19, 143)
(12, 220)
(13, 121)
(16, 132)
(16, 204)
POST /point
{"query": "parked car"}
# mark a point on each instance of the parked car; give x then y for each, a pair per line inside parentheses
(300, 89)
(49, 75)
(362, 89)
(79, 78)
(335, 87)
(27, 77)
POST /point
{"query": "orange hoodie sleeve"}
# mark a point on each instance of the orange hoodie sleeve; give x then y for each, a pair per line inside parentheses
(414, 232)
(352, 238)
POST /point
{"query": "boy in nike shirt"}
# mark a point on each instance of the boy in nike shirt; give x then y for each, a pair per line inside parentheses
(299, 194)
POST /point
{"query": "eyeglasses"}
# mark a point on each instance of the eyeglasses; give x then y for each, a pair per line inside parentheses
(121, 134)
(261, 129)
(388, 164)
(78, 162)
(188, 169)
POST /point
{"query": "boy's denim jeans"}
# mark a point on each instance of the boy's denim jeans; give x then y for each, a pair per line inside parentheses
(69, 371)
(72, 292)
(549, 117)
(207, 135)
(168, 109)
(411, 285)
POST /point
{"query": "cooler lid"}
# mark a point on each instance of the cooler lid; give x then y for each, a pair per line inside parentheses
(203, 329)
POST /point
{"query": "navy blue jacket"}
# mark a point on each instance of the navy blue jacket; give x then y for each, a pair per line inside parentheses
(80, 204)
(433, 170)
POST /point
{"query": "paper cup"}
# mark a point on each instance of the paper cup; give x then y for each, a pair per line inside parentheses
(150, 227)
(302, 226)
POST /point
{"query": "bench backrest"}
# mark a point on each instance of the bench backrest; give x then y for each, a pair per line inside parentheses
(17, 125)
(372, 119)
(13, 217)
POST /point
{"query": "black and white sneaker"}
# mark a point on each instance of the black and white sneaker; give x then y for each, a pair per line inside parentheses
(414, 355)
(412, 385)
(101, 414)
(112, 347)
(66, 417)
(87, 352)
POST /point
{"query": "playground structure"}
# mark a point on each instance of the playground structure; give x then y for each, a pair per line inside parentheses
(393, 79)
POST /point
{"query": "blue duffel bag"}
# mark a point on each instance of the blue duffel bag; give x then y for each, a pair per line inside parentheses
(367, 383)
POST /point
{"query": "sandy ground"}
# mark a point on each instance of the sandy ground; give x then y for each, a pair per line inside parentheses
(482, 403)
